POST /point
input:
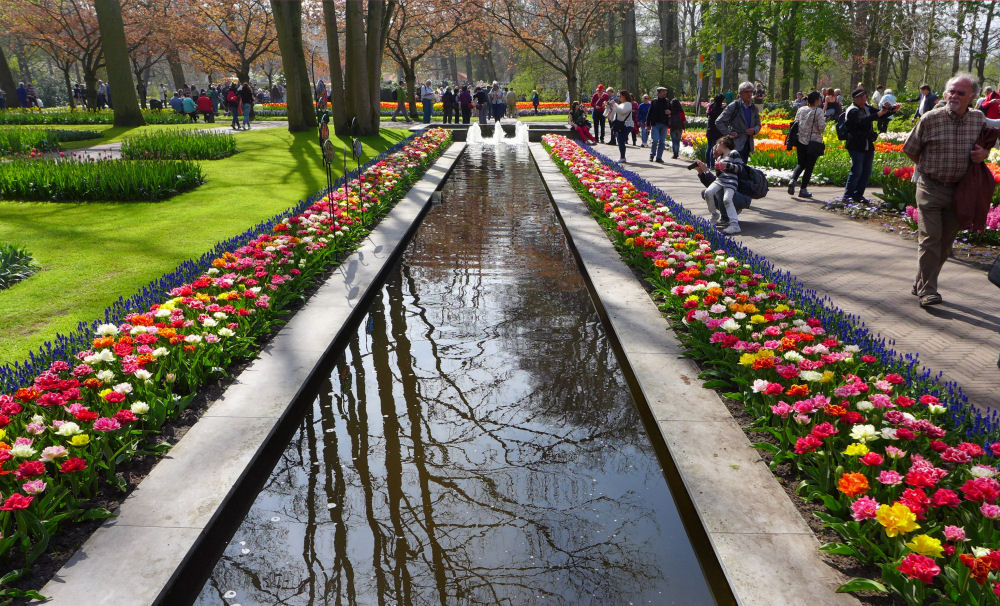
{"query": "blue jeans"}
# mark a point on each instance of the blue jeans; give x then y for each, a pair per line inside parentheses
(675, 140)
(861, 172)
(645, 134)
(659, 132)
(247, 108)
(428, 106)
(709, 152)
(740, 202)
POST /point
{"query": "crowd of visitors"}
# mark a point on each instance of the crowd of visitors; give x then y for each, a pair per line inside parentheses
(460, 102)
(236, 99)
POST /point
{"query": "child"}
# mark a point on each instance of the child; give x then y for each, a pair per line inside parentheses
(728, 166)
(579, 122)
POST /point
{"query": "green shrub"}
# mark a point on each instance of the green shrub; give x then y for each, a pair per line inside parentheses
(109, 180)
(15, 141)
(16, 264)
(22, 116)
(182, 145)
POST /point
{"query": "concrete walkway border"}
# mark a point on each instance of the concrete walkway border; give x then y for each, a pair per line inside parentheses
(768, 555)
(154, 551)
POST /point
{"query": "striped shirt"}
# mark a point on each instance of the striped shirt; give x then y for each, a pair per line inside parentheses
(729, 178)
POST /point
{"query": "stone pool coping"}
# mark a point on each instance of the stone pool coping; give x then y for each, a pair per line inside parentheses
(140, 557)
(767, 553)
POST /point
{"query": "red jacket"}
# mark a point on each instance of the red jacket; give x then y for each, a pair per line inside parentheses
(599, 100)
(204, 104)
(974, 193)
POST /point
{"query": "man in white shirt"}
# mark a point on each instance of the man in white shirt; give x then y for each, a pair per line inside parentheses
(878, 95)
(927, 99)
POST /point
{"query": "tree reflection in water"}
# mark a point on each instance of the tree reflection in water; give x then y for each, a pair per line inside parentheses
(476, 444)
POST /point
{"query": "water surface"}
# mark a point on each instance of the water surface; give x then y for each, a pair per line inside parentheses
(476, 443)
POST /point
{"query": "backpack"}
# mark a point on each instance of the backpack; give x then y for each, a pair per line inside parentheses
(231, 97)
(841, 126)
(752, 182)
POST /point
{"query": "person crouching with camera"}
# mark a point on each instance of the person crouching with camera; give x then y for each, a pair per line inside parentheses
(720, 194)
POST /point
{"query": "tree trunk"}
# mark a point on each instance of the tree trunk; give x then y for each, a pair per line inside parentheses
(489, 63)
(904, 70)
(883, 65)
(453, 67)
(630, 49)
(958, 36)
(410, 74)
(876, 37)
(468, 66)
(116, 57)
(572, 82)
(981, 58)
(23, 67)
(355, 81)
(338, 102)
(288, 24)
(752, 55)
(859, 38)
(666, 13)
(7, 80)
(773, 63)
(972, 16)
(176, 68)
(797, 65)
(931, 34)
(790, 43)
(66, 83)
(379, 13)
(90, 82)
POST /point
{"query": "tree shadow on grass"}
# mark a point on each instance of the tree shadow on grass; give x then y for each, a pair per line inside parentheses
(306, 151)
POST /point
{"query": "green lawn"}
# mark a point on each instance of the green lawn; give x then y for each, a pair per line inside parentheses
(92, 253)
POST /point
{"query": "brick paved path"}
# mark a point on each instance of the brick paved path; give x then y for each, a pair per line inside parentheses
(865, 272)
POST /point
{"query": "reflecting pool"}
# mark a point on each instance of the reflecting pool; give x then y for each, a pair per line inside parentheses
(476, 442)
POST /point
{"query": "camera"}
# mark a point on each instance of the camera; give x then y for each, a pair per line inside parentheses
(692, 165)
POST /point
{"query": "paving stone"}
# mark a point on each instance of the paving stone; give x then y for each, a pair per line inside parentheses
(207, 462)
(778, 579)
(143, 560)
(731, 486)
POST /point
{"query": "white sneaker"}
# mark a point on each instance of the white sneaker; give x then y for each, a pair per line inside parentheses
(732, 228)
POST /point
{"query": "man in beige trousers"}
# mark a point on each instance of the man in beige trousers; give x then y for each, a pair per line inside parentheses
(942, 145)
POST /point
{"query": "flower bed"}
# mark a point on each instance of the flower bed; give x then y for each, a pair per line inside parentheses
(32, 141)
(179, 145)
(905, 470)
(71, 415)
(106, 116)
(72, 179)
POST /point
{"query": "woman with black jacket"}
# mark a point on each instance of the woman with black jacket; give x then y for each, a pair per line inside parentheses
(246, 100)
(713, 134)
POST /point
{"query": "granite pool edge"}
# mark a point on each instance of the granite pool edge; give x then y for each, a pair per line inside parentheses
(140, 557)
(766, 552)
